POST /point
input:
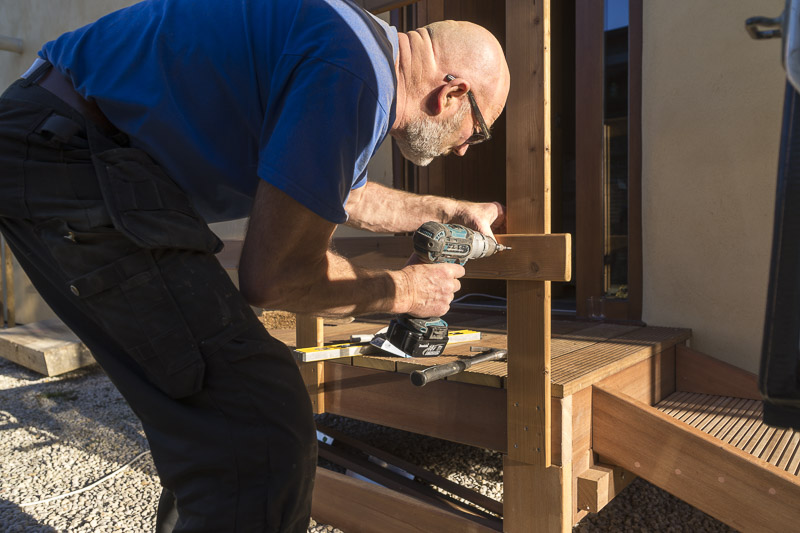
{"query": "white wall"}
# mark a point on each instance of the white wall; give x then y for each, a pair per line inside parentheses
(712, 101)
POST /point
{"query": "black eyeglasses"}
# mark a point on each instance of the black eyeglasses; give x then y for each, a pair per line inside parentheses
(484, 134)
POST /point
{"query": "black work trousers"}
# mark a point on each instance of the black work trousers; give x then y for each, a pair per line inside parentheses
(115, 248)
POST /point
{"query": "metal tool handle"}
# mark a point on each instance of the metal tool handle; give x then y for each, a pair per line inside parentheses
(421, 377)
(754, 25)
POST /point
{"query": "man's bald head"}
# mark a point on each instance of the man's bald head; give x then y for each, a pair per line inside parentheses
(433, 111)
(470, 51)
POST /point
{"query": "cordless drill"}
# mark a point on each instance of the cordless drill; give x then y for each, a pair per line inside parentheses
(435, 242)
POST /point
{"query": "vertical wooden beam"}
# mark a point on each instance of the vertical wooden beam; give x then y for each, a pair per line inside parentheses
(528, 190)
(309, 331)
(635, 267)
(537, 496)
(9, 286)
(588, 152)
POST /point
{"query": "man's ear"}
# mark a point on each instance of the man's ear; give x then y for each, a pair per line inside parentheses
(450, 94)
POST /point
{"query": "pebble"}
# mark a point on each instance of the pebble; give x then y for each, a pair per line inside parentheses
(58, 434)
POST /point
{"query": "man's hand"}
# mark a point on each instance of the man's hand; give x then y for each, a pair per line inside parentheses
(484, 217)
(430, 288)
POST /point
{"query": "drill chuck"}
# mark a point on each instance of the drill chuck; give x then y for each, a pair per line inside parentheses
(435, 242)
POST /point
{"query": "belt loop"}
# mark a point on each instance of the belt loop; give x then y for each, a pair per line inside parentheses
(36, 74)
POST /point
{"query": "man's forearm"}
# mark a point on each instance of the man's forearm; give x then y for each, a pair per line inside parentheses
(335, 287)
(384, 210)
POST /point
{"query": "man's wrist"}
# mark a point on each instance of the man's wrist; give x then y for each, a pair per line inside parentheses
(402, 291)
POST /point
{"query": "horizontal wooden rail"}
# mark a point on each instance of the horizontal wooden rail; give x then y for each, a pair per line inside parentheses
(354, 505)
(743, 491)
(380, 6)
(531, 258)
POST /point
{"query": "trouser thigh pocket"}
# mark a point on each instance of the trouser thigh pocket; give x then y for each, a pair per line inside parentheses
(131, 300)
(147, 206)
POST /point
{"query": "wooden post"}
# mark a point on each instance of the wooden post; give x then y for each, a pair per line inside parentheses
(8, 278)
(309, 332)
(528, 186)
(537, 495)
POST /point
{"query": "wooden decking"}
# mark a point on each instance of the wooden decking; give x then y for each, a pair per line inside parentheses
(737, 422)
(583, 353)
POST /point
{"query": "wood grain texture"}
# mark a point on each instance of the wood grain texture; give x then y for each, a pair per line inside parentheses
(532, 257)
(8, 275)
(309, 333)
(635, 261)
(588, 151)
(738, 489)
(458, 412)
(48, 347)
(381, 6)
(528, 203)
(600, 484)
(541, 500)
(648, 381)
(698, 372)
(354, 505)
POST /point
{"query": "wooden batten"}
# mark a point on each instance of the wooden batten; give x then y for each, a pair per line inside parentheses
(735, 487)
(528, 202)
(698, 372)
(8, 284)
(381, 6)
(599, 484)
(458, 412)
(356, 505)
(309, 333)
(532, 257)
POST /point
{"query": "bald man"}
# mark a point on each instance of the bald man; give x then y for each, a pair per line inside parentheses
(129, 135)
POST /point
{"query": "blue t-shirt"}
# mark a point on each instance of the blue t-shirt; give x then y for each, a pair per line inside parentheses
(299, 93)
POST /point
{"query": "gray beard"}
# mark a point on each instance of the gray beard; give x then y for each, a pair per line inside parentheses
(425, 139)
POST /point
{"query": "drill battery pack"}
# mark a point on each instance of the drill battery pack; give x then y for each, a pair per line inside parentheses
(418, 337)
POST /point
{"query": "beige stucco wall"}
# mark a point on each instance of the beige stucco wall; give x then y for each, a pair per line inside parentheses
(712, 101)
(38, 21)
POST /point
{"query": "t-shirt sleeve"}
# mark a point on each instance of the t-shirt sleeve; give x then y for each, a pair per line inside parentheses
(323, 132)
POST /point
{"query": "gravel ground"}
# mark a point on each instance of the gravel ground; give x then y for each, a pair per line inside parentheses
(61, 434)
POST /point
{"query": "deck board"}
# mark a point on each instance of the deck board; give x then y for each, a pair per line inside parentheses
(582, 353)
(737, 421)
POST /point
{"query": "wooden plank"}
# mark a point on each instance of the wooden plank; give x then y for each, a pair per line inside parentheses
(586, 367)
(48, 347)
(635, 260)
(648, 381)
(589, 81)
(599, 484)
(695, 467)
(381, 6)
(528, 382)
(698, 372)
(9, 286)
(528, 129)
(535, 487)
(458, 412)
(532, 257)
(354, 505)
(577, 340)
(310, 332)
